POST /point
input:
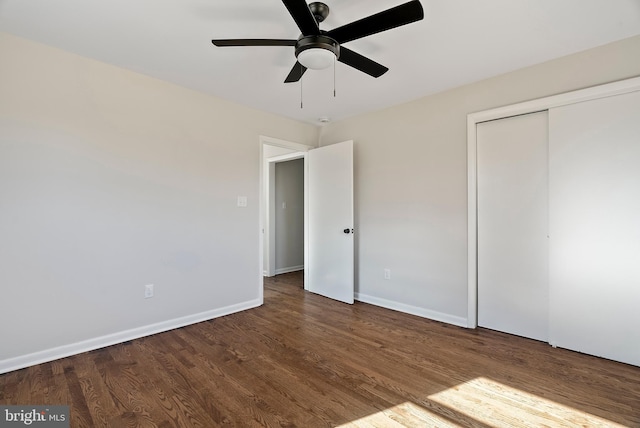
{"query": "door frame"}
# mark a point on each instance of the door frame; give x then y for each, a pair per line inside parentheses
(533, 106)
(267, 220)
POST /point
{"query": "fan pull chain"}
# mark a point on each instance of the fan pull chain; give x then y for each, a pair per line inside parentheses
(300, 93)
(334, 77)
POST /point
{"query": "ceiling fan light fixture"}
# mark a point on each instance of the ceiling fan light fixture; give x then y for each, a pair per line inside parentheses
(316, 58)
(317, 52)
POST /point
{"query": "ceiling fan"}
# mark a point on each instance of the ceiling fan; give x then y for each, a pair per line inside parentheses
(318, 49)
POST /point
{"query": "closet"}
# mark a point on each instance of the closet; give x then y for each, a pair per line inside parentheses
(557, 220)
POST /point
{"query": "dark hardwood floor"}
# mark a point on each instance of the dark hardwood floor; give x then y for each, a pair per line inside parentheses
(307, 361)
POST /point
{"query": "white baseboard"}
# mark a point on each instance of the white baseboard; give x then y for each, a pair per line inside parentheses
(413, 310)
(289, 269)
(47, 355)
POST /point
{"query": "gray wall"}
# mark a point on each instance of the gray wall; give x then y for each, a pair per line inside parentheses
(268, 169)
(289, 187)
(411, 179)
(110, 180)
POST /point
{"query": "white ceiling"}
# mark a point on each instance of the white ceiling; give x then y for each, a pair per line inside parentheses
(458, 42)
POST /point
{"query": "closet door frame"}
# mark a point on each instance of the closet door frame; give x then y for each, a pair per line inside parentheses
(541, 104)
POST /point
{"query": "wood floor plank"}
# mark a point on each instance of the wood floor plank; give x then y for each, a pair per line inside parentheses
(302, 360)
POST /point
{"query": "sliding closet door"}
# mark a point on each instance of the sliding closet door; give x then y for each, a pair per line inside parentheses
(595, 227)
(512, 225)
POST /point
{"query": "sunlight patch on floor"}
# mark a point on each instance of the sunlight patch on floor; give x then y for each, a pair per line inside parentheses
(407, 414)
(485, 403)
(498, 405)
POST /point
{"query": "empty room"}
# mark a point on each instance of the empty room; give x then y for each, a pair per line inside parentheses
(381, 213)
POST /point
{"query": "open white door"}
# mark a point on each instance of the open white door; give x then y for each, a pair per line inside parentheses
(329, 264)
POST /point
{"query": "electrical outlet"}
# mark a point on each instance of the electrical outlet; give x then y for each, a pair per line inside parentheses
(148, 291)
(387, 274)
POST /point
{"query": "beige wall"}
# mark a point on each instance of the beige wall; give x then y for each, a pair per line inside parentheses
(110, 180)
(410, 178)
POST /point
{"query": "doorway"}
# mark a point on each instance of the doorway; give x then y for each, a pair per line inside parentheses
(328, 215)
(282, 206)
(286, 207)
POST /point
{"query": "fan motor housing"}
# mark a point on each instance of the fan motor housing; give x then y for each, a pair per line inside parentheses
(317, 42)
(319, 10)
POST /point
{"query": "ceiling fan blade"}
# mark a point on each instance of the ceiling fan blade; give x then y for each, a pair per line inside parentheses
(391, 18)
(296, 73)
(253, 42)
(362, 63)
(302, 16)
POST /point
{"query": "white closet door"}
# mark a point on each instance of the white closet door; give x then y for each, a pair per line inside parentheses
(513, 225)
(595, 227)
